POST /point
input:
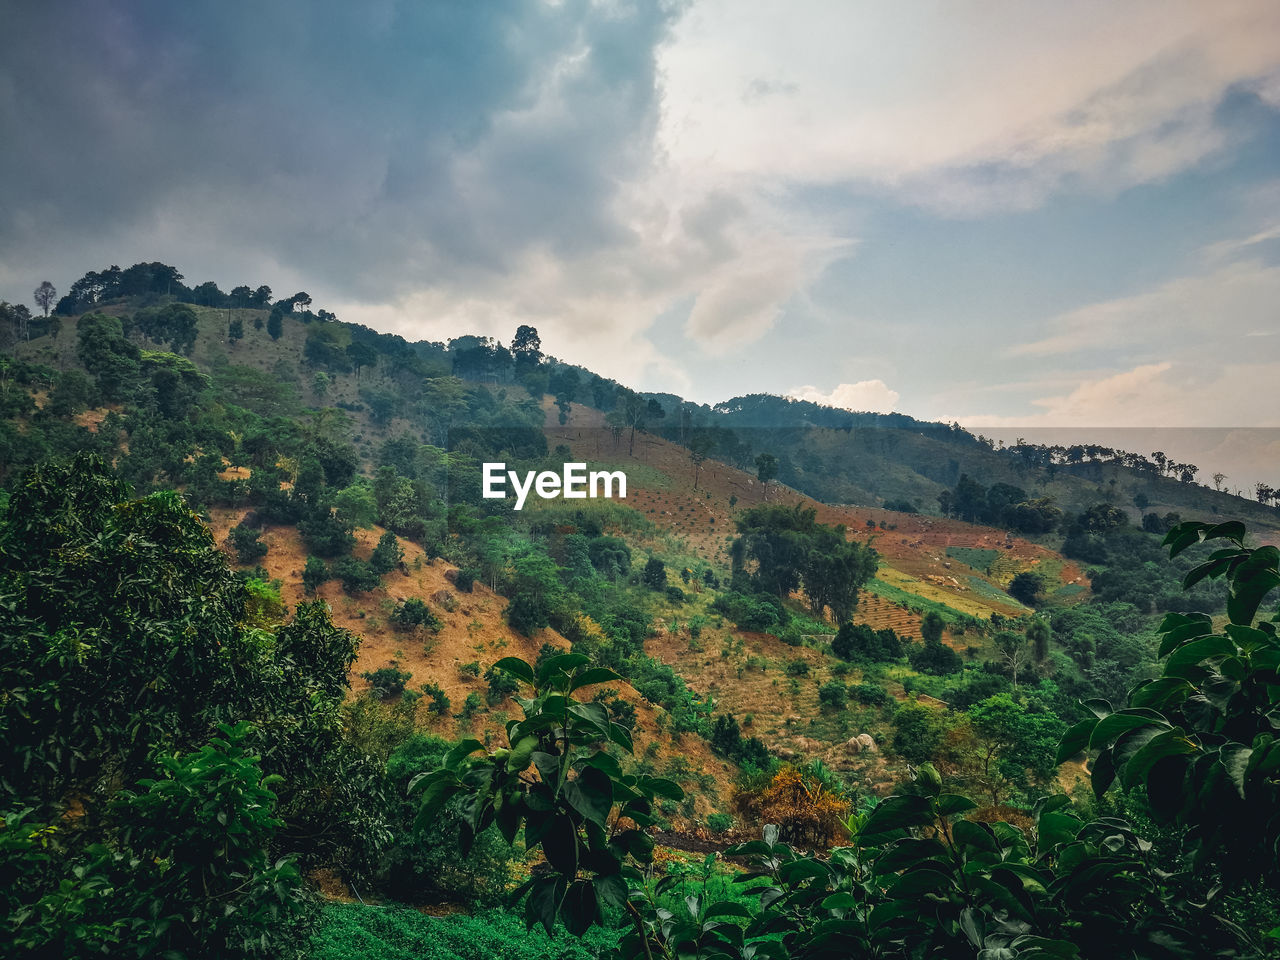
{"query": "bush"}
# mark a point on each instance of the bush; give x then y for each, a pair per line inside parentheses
(870, 694)
(757, 612)
(935, 657)
(676, 595)
(439, 699)
(425, 860)
(857, 641)
(833, 694)
(1027, 588)
(471, 705)
(314, 573)
(797, 668)
(414, 613)
(247, 543)
(387, 682)
(655, 574)
(356, 575)
(325, 535)
(465, 579)
(501, 685)
(719, 822)
(387, 555)
(528, 613)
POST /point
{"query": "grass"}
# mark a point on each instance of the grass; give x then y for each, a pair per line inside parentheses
(918, 603)
(349, 931)
(977, 557)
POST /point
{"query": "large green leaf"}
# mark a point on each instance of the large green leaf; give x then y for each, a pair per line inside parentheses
(1235, 758)
(463, 748)
(1183, 661)
(897, 813)
(1076, 739)
(1165, 692)
(593, 675)
(521, 752)
(591, 794)
(563, 663)
(1171, 743)
(516, 667)
(1251, 582)
(1111, 727)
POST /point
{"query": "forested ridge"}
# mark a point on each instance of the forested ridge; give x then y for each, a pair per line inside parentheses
(966, 701)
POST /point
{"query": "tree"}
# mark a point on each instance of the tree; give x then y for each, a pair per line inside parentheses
(235, 331)
(917, 732)
(932, 627)
(526, 346)
(1013, 650)
(766, 470)
(386, 555)
(361, 355)
(275, 325)
(1039, 633)
(1015, 742)
(46, 296)
(1027, 587)
(314, 573)
(701, 443)
(633, 416)
(655, 574)
(106, 353)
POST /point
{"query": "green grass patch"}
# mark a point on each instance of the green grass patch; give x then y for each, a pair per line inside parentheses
(351, 931)
(991, 592)
(977, 557)
(916, 602)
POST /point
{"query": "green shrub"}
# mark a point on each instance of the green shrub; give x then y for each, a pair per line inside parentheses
(471, 705)
(414, 613)
(797, 668)
(314, 573)
(356, 575)
(719, 822)
(869, 694)
(247, 543)
(439, 699)
(387, 682)
(833, 694)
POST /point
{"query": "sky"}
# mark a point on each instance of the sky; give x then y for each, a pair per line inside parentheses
(1010, 214)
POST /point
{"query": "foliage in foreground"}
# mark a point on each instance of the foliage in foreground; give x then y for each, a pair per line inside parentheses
(918, 879)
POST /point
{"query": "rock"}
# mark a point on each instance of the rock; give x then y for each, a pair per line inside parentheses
(868, 744)
(853, 745)
(784, 753)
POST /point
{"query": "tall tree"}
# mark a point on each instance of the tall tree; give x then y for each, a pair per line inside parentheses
(526, 347)
(46, 296)
(701, 443)
(1039, 634)
(766, 470)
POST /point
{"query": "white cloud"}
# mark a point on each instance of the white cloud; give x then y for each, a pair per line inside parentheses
(1160, 394)
(872, 396)
(1212, 310)
(961, 107)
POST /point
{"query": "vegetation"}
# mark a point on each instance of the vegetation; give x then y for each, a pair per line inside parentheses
(180, 751)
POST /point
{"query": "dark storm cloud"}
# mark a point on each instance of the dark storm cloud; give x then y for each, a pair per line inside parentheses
(379, 145)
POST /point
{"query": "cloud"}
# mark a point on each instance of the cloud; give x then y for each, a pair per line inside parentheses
(1162, 394)
(963, 108)
(872, 396)
(1211, 311)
